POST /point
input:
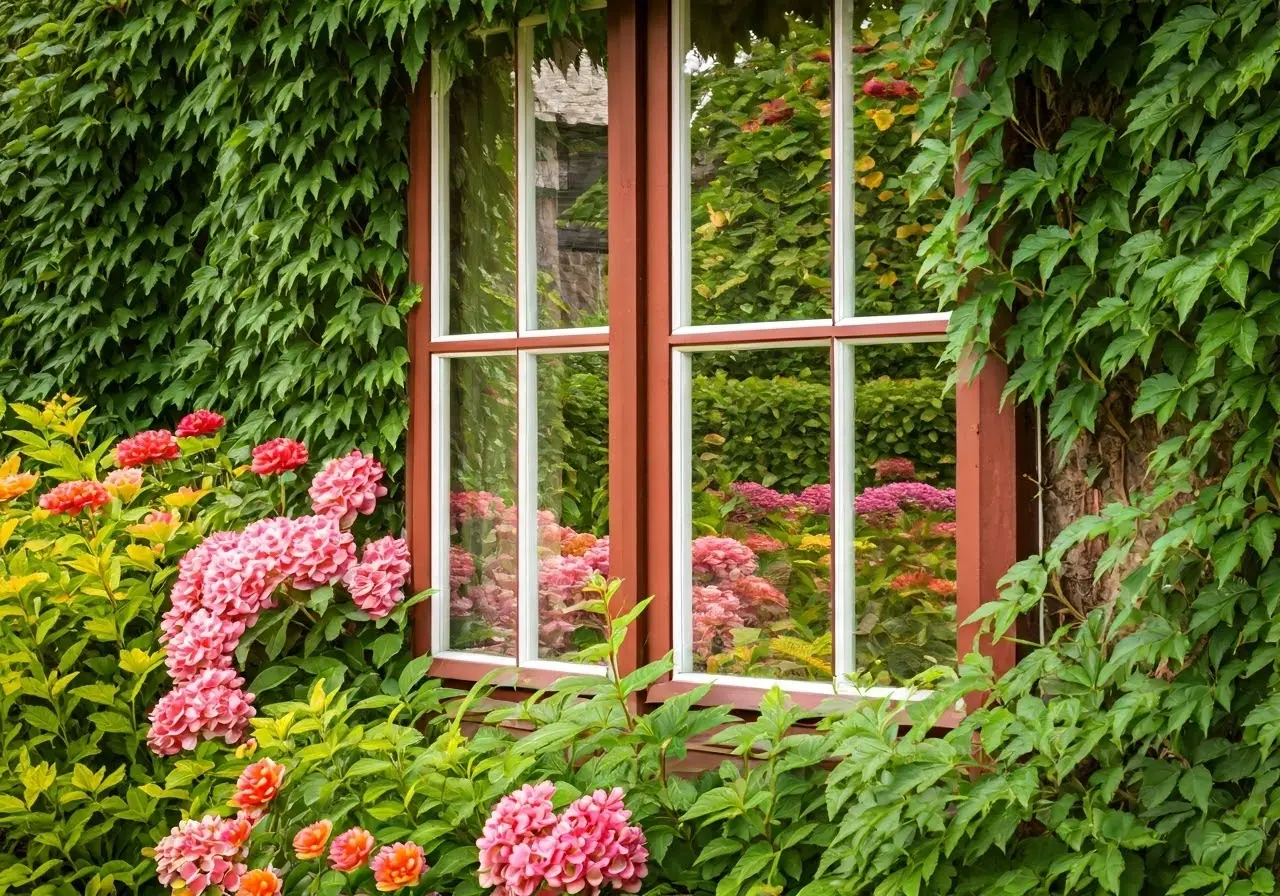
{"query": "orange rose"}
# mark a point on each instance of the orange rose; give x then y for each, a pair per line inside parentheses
(16, 485)
(258, 785)
(398, 866)
(259, 882)
(309, 843)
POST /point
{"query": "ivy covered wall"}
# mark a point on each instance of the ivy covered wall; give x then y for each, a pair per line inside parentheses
(203, 205)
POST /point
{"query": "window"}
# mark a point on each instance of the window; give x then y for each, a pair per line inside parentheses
(674, 334)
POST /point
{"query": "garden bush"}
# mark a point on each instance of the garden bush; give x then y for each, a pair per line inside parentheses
(133, 623)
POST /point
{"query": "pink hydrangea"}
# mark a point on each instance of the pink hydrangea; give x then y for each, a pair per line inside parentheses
(211, 705)
(763, 497)
(890, 498)
(525, 848)
(466, 507)
(320, 552)
(348, 486)
(239, 587)
(201, 854)
(597, 848)
(462, 566)
(184, 597)
(816, 499)
(493, 604)
(716, 613)
(377, 582)
(560, 588)
(944, 529)
(205, 641)
(597, 556)
(720, 559)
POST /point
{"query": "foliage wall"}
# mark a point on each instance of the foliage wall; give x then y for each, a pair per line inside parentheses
(203, 205)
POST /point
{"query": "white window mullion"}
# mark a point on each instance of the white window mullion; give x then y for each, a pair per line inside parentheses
(440, 523)
(844, 595)
(527, 513)
(526, 188)
(682, 509)
(842, 166)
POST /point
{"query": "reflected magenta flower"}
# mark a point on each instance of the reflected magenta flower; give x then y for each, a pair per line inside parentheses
(763, 544)
(893, 469)
(716, 613)
(816, 499)
(762, 496)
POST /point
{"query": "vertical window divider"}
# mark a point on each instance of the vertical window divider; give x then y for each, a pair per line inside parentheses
(681, 503)
(527, 512)
(440, 524)
(842, 152)
(843, 452)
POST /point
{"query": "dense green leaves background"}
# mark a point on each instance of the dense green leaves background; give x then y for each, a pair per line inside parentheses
(203, 204)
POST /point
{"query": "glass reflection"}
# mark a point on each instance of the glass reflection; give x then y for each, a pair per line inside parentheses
(571, 205)
(760, 94)
(482, 469)
(761, 501)
(904, 512)
(573, 499)
(482, 192)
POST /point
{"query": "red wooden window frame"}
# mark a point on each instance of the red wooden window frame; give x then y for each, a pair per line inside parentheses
(640, 342)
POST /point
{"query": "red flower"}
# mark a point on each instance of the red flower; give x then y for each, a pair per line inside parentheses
(751, 126)
(151, 447)
(258, 784)
(775, 111)
(863, 49)
(944, 587)
(900, 88)
(72, 497)
(875, 87)
(199, 423)
(278, 456)
(821, 56)
(915, 579)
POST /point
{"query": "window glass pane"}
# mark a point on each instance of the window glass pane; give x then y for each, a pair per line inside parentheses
(760, 94)
(904, 512)
(482, 482)
(888, 227)
(761, 500)
(571, 204)
(573, 498)
(481, 175)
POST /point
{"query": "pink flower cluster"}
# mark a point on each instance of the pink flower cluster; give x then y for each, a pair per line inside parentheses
(348, 486)
(227, 581)
(527, 849)
(727, 594)
(893, 497)
(206, 853)
(377, 582)
(483, 584)
(889, 498)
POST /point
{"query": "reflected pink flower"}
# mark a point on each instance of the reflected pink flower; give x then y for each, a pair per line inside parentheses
(943, 530)
(816, 499)
(462, 566)
(716, 613)
(762, 496)
(763, 544)
(894, 468)
(760, 600)
(467, 507)
(719, 559)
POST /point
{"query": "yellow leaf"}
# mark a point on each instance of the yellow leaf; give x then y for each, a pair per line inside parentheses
(185, 497)
(910, 109)
(872, 262)
(7, 529)
(888, 278)
(872, 180)
(890, 66)
(141, 555)
(886, 195)
(718, 219)
(883, 119)
(866, 163)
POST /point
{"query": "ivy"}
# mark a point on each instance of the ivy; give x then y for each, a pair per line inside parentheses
(203, 205)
